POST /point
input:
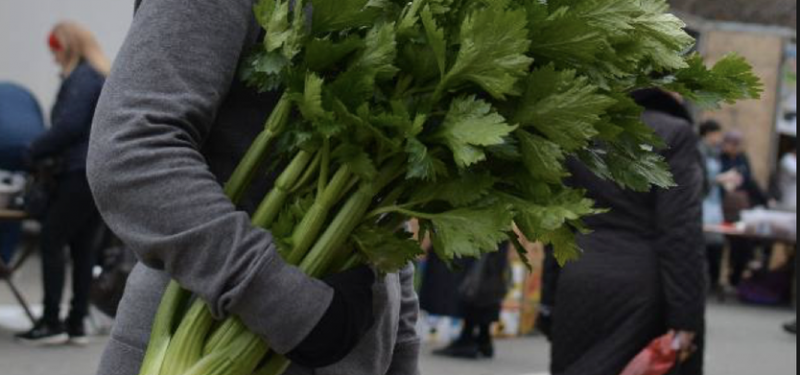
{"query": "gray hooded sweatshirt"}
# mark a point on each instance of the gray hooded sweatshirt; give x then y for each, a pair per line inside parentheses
(172, 123)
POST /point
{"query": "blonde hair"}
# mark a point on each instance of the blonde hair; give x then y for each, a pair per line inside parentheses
(78, 44)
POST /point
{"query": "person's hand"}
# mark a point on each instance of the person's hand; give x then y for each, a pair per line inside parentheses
(730, 180)
(686, 346)
(348, 319)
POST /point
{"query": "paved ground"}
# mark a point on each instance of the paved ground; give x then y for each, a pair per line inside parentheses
(743, 341)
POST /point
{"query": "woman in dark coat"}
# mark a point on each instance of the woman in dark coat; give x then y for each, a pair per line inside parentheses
(72, 218)
(642, 273)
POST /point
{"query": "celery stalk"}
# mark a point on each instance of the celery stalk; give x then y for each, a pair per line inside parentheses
(241, 357)
(254, 158)
(167, 317)
(308, 230)
(273, 203)
(224, 335)
(324, 251)
(186, 347)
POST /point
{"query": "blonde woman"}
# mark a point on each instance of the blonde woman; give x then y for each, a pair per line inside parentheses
(71, 218)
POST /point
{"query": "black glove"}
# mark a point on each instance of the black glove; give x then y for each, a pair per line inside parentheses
(348, 319)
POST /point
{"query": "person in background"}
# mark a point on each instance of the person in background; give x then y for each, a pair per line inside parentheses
(787, 181)
(474, 293)
(72, 218)
(642, 272)
(21, 122)
(745, 194)
(711, 138)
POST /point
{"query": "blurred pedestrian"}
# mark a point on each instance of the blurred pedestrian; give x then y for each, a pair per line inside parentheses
(472, 290)
(787, 181)
(744, 195)
(711, 138)
(72, 218)
(642, 271)
(20, 123)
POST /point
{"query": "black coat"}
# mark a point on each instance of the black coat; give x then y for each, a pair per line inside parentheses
(71, 118)
(643, 268)
(440, 293)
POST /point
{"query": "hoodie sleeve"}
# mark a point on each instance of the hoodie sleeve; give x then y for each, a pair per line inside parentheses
(154, 188)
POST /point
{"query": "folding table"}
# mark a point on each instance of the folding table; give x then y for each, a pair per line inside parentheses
(7, 270)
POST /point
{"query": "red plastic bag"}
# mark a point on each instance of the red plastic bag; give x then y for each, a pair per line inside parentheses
(657, 359)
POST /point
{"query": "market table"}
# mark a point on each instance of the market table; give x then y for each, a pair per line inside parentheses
(7, 270)
(739, 231)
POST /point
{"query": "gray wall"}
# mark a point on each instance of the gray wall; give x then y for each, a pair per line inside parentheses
(25, 24)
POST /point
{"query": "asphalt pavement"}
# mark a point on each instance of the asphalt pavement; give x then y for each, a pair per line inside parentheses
(743, 340)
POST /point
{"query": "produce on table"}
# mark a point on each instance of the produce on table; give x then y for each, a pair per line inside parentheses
(459, 113)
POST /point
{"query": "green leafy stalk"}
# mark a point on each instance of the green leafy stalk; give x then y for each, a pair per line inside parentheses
(306, 232)
(224, 335)
(348, 218)
(273, 203)
(242, 357)
(168, 317)
(254, 158)
(186, 348)
(325, 251)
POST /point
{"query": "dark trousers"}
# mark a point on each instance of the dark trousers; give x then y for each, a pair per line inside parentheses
(742, 253)
(714, 254)
(9, 239)
(71, 221)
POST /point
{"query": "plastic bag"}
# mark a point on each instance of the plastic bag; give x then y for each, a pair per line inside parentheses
(659, 358)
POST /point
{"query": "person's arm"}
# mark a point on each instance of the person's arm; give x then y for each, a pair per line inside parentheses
(680, 225)
(154, 188)
(75, 109)
(405, 360)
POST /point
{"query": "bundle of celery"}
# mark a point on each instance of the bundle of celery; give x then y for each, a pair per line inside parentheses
(460, 113)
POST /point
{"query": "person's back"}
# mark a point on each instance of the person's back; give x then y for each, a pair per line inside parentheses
(642, 271)
(20, 123)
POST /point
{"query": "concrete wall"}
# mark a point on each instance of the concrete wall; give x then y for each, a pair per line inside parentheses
(25, 24)
(755, 118)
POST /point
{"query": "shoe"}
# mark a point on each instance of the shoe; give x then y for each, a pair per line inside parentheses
(460, 350)
(44, 334)
(791, 327)
(486, 350)
(77, 335)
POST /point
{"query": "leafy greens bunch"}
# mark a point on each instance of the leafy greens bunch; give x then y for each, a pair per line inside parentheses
(459, 113)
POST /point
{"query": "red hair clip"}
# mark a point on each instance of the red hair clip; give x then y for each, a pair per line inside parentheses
(54, 43)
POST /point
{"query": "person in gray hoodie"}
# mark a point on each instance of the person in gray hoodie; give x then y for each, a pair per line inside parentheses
(171, 125)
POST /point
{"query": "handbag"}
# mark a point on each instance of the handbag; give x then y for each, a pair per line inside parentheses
(41, 187)
(116, 263)
(487, 281)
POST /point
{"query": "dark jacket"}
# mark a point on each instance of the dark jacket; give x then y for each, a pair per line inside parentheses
(741, 163)
(642, 272)
(71, 120)
(20, 123)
